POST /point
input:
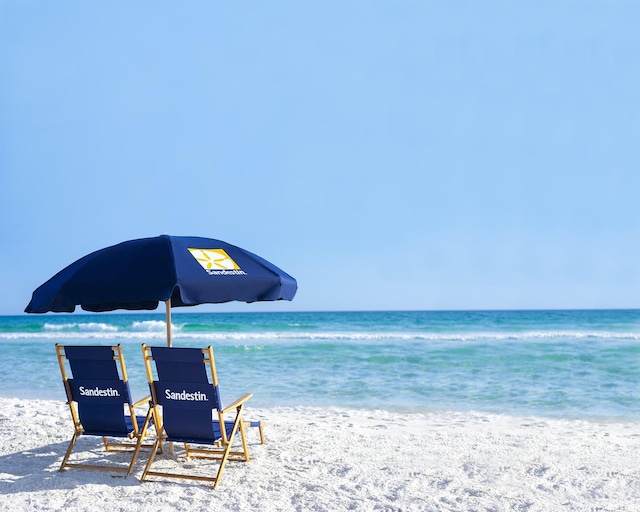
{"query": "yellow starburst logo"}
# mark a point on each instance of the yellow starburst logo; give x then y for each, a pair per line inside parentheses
(214, 259)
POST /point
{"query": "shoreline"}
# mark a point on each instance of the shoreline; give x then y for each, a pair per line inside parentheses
(337, 459)
(396, 411)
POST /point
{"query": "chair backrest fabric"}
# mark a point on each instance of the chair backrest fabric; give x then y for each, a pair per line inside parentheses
(98, 389)
(187, 397)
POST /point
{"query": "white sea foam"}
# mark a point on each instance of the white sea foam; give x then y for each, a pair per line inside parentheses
(150, 329)
(58, 327)
(92, 327)
(83, 326)
(375, 460)
(149, 326)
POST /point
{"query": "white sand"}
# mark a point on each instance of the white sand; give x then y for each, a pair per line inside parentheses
(335, 459)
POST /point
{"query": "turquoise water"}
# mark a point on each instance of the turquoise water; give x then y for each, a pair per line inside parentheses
(568, 364)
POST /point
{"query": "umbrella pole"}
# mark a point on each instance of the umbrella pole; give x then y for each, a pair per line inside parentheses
(168, 308)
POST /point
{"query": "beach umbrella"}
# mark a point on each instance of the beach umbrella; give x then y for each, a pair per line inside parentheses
(177, 270)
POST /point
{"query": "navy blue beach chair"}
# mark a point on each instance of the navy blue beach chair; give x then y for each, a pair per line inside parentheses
(98, 395)
(188, 410)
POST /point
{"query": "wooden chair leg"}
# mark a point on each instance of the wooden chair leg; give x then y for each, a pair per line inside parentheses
(69, 450)
(152, 456)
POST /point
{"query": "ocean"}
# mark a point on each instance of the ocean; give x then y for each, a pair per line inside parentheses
(557, 364)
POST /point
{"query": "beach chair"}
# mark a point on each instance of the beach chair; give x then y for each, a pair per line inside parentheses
(98, 395)
(184, 385)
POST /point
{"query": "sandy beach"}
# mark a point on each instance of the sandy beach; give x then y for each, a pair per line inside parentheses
(344, 459)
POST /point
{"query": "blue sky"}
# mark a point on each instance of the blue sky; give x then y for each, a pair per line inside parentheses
(389, 155)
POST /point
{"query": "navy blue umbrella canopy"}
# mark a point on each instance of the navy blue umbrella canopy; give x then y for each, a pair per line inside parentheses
(180, 271)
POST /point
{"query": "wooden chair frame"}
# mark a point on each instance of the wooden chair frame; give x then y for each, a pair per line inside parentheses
(136, 436)
(220, 450)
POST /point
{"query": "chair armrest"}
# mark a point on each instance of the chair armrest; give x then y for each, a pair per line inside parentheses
(142, 401)
(237, 403)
